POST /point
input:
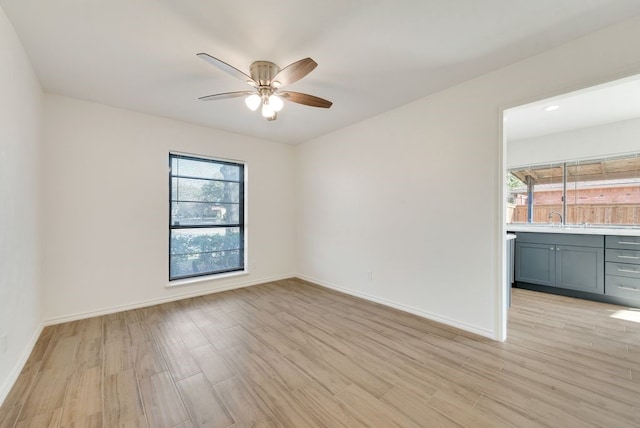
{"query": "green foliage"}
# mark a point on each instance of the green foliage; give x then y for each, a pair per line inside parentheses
(198, 253)
(514, 182)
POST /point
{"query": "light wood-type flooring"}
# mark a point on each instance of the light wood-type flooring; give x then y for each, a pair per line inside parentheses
(291, 354)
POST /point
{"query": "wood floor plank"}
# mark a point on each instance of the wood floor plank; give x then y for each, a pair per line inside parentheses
(212, 364)
(203, 403)
(91, 421)
(179, 359)
(358, 374)
(286, 407)
(319, 371)
(147, 359)
(117, 357)
(292, 354)
(162, 403)
(122, 403)
(246, 408)
(83, 398)
(330, 410)
(19, 393)
(243, 364)
(373, 411)
(508, 414)
(281, 368)
(90, 329)
(61, 353)
(47, 393)
(414, 403)
(463, 413)
(9, 416)
(44, 420)
(89, 354)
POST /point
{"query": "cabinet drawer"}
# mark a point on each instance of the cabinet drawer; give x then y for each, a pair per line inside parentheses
(622, 256)
(623, 242)
(622, 269)
(622, 287)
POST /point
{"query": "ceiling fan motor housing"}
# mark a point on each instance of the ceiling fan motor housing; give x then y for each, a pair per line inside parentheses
(263, 72)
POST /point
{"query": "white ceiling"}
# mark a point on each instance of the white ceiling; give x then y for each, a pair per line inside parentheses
(373, 55)
(608, 103)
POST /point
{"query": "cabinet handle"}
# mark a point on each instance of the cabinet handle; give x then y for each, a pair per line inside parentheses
(552, 248)
(628, 288)
(628, 270)
(628, 243)
(629, 257)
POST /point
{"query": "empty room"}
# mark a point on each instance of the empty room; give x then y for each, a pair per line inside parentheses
(320, 214)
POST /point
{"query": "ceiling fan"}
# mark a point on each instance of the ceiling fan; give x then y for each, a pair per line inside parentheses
(268, 80)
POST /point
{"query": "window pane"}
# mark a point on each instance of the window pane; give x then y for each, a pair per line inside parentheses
(545, 181)
(203, 213)
(208, 194)
(197, 251)
(196, 264)
(604, 191)
(197, 190)
(203, 168)
(516, 199)
(195, 241)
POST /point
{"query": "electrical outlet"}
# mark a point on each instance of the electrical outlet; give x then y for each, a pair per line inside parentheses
(370, 276)
(4, 345)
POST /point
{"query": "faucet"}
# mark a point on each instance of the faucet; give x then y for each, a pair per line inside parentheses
(551, 217)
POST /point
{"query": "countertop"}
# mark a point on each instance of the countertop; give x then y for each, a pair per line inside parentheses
(577, 230)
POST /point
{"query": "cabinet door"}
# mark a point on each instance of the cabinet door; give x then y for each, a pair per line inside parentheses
(580, 268)
(535, 263)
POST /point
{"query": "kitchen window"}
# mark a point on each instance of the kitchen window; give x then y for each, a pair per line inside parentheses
(206, 224)
(592, 192)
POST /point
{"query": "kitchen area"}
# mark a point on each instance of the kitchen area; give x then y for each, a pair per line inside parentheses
(573, 194)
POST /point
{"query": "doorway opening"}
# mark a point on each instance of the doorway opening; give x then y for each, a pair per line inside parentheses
(572, 160)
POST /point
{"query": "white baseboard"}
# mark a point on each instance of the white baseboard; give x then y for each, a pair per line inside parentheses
(157, 301)
(13, 376)
(433, 317)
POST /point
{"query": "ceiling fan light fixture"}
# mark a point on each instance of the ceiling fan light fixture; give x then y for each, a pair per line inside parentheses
(267, 110)
(276, 102)
(253, 101)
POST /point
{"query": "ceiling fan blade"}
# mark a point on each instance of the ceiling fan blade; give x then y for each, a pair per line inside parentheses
(228, 68)
(306, 99)
(226, 95)
(294, 72)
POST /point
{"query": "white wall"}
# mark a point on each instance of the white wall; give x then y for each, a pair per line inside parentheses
(596, 141)
(106, 203)
(415, 195)
(20, 127)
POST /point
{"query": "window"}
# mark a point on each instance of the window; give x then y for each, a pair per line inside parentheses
(206, 224)
(596, 192)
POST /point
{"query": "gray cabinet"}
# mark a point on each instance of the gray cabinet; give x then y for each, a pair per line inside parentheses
(580, 268)
(573, 262)
(535, 263)
(622, 267)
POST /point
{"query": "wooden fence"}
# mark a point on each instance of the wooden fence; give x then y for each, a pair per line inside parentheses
(596, 214)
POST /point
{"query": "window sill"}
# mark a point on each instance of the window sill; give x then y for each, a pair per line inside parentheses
(199, 279)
